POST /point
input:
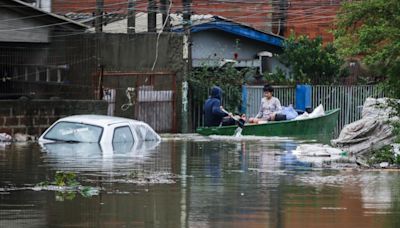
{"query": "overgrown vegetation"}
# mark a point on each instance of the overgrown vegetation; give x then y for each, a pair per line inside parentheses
(385, 154)
(370, 31)
(67, 186)
(62, 179)
(278, 78)
(66, 179)
(228, 78)
(310, 62)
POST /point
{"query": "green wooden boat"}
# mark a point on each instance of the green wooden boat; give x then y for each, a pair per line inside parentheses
(306, 128)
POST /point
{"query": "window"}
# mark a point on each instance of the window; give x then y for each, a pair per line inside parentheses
(122, 134)
(74, 132)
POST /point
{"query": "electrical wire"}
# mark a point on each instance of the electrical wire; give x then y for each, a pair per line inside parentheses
(159, 34)
(244, 16)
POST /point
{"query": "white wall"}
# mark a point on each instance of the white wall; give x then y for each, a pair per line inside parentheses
(211, 46)
(44, 5)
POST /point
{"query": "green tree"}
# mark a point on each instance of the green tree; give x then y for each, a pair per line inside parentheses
(228, 78)
(310, 61)
(370, 30)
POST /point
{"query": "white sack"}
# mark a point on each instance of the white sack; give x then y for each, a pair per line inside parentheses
(372, 132)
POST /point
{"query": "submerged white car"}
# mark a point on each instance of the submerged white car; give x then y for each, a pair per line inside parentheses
(98, 129)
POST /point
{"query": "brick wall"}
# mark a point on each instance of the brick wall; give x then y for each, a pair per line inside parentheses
(254, 13)
(34, 116)
(305, 17)
(312, 17)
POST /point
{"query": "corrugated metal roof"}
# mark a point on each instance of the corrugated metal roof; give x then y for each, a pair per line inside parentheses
(198, 23)
(223, 24)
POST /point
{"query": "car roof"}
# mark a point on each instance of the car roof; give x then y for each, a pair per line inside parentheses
(100, 120)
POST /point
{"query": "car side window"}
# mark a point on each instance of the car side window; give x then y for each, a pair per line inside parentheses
(123, 134)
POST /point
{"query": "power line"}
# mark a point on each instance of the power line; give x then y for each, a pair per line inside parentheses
(295, 21)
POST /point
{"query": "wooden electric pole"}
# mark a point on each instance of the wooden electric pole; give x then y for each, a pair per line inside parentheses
(99, 16)
(151, 16)
(131, 17)
(187, 58)
(165, 10)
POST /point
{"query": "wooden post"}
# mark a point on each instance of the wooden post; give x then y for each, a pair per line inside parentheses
(164, 8)
(151, 16)
(99, 16)
(131, 17)
(187, 65)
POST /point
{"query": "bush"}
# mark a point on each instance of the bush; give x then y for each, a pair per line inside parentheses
(312, 62)
(228, 78)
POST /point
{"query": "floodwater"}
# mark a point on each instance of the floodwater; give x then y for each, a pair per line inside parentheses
(192, 181)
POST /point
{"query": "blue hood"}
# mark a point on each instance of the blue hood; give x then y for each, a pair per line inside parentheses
(216, 92)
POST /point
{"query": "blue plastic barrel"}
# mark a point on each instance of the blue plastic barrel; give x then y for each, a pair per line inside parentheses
(303, 97)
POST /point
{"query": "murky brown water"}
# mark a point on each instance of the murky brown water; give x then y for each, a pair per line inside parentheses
(196, 182)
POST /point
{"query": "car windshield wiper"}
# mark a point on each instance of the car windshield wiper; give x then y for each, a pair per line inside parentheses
(66, 141)
(72, 141)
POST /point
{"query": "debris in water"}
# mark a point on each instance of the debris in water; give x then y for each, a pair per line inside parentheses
(148, 178)
(4, 137)
(384, 164)
(66, 186)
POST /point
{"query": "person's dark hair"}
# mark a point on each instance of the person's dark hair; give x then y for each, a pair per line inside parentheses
(268, 88)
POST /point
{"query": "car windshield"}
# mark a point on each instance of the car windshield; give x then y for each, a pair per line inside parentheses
(74, 132)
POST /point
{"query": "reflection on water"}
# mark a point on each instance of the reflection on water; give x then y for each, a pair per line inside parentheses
(204, 182)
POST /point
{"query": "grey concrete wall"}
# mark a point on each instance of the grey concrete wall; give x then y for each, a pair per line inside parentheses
(35, 116)
(271, 64)
(82, 54)
(14, 28)
(137, 53)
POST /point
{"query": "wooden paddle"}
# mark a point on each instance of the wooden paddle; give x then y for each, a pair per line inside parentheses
(237, 120)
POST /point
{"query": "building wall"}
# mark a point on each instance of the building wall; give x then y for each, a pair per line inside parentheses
(12, 28)
(33, 117)
(136, 54)
(306, 17)
(218, 45)
(44, 4)
(89, 6)
(210, 47)
(63, 68)
(312, 17)
(256, 13)
(79, 56)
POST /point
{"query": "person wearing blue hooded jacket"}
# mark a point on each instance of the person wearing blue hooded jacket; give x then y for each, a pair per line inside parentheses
(213, 114)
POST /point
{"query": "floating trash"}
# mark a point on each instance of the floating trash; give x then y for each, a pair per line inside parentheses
(66, 186)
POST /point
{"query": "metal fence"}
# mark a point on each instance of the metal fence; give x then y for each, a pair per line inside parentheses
(62, 68)
(349, 99)
(286, 95)
(197, 103)
(144, 96)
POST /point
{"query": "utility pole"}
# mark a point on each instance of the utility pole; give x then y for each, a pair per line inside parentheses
(279, 15)
(99, 16)
(131, 17)
(151, 16)
(187, 57)
(164, 8)
(99, 28)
